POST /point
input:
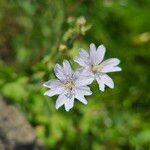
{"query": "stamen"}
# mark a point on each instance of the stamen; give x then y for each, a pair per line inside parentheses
(96, 68)
(69, 84)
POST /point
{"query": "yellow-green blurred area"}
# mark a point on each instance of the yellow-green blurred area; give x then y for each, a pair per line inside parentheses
(35, 34)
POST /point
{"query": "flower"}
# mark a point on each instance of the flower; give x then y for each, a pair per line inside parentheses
(69, 86)
(93, 65)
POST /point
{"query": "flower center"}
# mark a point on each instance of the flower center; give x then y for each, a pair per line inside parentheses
(69, 84)
(96, 68)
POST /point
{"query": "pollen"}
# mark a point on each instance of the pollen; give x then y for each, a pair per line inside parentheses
(96, 68)
(69, 84)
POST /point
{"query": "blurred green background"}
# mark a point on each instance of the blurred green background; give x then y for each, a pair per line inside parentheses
(35, 34)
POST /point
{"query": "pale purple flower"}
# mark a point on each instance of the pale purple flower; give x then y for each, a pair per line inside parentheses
(93, 65)
(69, 86)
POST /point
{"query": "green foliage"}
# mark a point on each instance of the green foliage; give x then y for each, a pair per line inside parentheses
(34, 35)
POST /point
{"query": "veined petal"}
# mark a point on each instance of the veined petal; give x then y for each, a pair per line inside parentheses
(80, 96)
(100, 54)
(85, 90)
(83, 81)
(93, 54)
(69, 94)
(82, 72)
(92, 48)
(111, 62)
(107, 69)
(107, 81)
(61, 100)
(100, 83)
(83, 58)
(67, 68)
(53, 84)
(69, 104)
(54, 91)
(80, 61)
(59, 72)
(84, 54)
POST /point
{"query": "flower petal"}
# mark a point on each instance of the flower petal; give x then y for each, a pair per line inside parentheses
(107, 81)
(111, 62)
(80, 61)
(107, 69)
(59, 72)
(100, 83)
(84, 80)
(54, 91)
(83, 58)
(69, 104)
(93, 54)
(82, 72)
(84, 54)
(80, 96)
(67, 68)
(53, 84)
(85, 90)
(100, 54)
(61, 100)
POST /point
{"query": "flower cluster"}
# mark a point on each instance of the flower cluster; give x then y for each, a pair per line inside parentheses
(72, 85)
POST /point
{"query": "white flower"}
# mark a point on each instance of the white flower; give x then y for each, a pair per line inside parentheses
(92, 64)
(70, 85)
